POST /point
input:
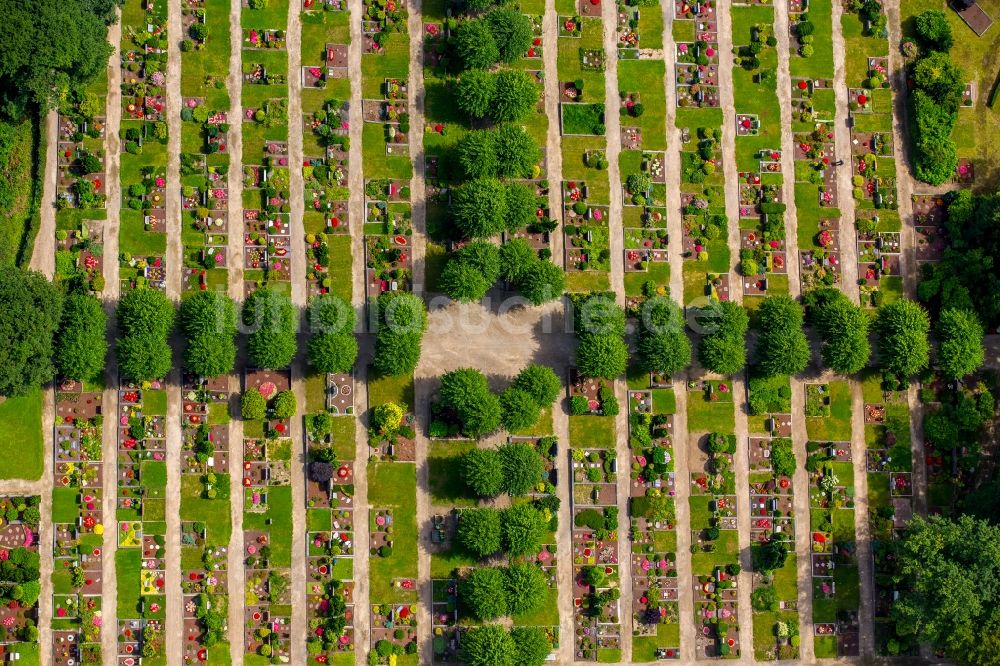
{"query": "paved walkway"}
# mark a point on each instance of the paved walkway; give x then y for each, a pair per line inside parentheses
(234, 562)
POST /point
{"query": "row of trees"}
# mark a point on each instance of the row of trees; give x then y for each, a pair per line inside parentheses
(145, 321)
(465, 397)
(514, 469)
(492, 645)
(505, 96)
(472, 271)
(516, 531)
(502, 35)
(401, 320)
(506, 151)
(492, 592)
(599, 323)
(485, 207)
(938, 91)
(663, 345)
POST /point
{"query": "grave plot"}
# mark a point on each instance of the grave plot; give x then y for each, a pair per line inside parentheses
(142, 241)
(140, 562)
(80, 254)
(82, 180)
(763, 255)
(330, 551)
(77, 573)
(585, 224)
(714, 539)
(836, 587)
(704, 246)
(140, 637)
(205, 515)
(696, 68)
(388, 242)
(820, 266)
(644, 218)
(266, 230)
(929, 214)
(889, 463)
(19, 546)
(596, 583)
(391, 113)
(653, 521)
(878, 263)
(205, 147)
(772, 536)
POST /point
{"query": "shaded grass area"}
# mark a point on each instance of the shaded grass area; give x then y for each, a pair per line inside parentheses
(21, 448)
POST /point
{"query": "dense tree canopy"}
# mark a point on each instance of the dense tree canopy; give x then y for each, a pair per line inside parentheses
(474, 93)
(145, 320)
(782, 348)
(475, 44)
(466, 393)
(49, 48)
(663, 345)
(512, 32)
(483, 591)
(402, 319)
(951, 600)
(208, 321)
(844, 329)
(541, 281)
(81, 343)
(28, 322)
(332, 345)
(479, 531)
(541, 383)
(933, 30)
(272, 323)
(518, 410)
(599, 323)
(482, 471)
(533, 646)
(722, 348)
(902, 333)
(479, 207)
(488, 645)
(523, 530)
(505, 96)
(522, 468)
(471, 271)
(960, 342)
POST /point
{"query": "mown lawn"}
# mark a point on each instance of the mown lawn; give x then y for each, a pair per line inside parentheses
(21, 444)
(393, 486)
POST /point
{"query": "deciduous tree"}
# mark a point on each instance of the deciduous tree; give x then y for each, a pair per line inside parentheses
(81, 343)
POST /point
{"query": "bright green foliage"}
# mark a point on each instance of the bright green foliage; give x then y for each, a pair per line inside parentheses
(902, 333)
(722, 348)
(479, 207)
(522, 467)
(515, 257)
(474, 93)
(402, 319)
(332, 345)
(208, 321)
(933, 30)
(523, 530)
(253, 406)
(844, 329)
(471, 272)
(467, 393)
(663, 345)
(81, 343)
(515, 97)
(540, 382)
(533, 646)
(475, 44)
(518, 409)
(284, 405)
(960, 338)
(484, 592)
(145, 320)
(541, 281)
(489, 645)
(782, 348)
(483, 473)
(272, 322)
(512, 33)
(521, 206)
(526, 586)
(479, 531)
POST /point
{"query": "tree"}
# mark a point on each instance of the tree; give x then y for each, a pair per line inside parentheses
(960, 337)
(541, 281)
(516, 255)
(944, 601)
(541, 383)
(51, 48)
(81, 343)
(145, 319)
(471, 271)
(518, 410)
(386, 418)
(208, 321)
(516, 151)
(722, 348)
(844, 329)
(515, 96)
(475, 44)
(523, 530)
(332, 346)
(489, 645)
(474, 94)
(782, 348)
(936, 156)
(271, 318)
(477, 150)
(526, 588)
(770, 556)
(482, 471)
(479, 207)
(284, 405)
(941, 79)
(533, 646)
(402, 319)
(522, 468)
(521, 206)
(479, 531)
(782, 457)
(512, 31)
(466, 392)
(601, 356)
(933, 30)
(663, 345)
(902, 328)
(253, 407)
(199, 31)
(484, 593)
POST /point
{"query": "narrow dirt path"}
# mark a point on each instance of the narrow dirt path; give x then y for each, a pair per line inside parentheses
(234, 562)
(356, 180)
(43, 260)
(300, 298)
(560, 419)
(174, 624)
(109, 404)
